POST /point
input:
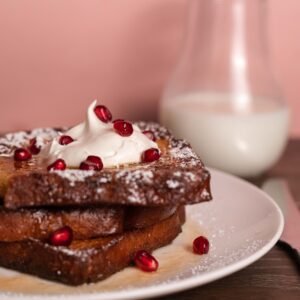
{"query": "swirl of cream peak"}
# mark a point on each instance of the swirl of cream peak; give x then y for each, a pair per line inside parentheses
(94, 137)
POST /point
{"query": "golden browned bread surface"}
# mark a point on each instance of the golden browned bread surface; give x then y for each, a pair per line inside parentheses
(86, 222)
(178, 177)
(86, 261)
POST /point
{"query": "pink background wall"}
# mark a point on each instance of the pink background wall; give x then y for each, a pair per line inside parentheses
(56, 56)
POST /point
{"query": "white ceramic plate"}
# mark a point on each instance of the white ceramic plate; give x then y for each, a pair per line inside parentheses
(242, 223)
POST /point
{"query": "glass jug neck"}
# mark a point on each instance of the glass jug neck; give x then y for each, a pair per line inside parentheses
(225, 51)
(233, 27)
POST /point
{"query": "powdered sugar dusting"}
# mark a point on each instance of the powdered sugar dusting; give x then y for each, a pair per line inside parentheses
(74, 175)
(237, 237)
(141, 175)
(83, 255)
(133, 180)
(160, 132)
(178, 149)
(172, 184)
(191, 176)
(178, 172)
(229, 256)
(38, 216)
(11, 141)
(205, 194)
(181, 150)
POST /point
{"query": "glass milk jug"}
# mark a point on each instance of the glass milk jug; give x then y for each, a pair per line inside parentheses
(221, 96)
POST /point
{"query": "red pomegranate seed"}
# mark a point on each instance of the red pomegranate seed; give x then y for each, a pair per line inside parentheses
(33, 148)
(59, 164)
(22, 154)
(123, 128)
(150, 135)
(201, 245)
(103, 113)
(150, 155)
(145, 261)
(65, 140)
(96, 160)
(88, 166)
(62, 237)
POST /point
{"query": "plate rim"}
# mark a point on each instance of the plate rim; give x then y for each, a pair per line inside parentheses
(183, 284)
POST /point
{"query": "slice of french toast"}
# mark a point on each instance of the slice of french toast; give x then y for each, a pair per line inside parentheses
(91, 260)
(178, 177)
(40, 223)
(89, 222)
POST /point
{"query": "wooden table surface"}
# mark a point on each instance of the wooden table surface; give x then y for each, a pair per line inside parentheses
(273, 276)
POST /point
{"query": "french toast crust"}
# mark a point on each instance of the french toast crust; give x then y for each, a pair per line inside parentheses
(86, 222)
(178, 177)
(91, 260)
(40, 223)
(147, 200)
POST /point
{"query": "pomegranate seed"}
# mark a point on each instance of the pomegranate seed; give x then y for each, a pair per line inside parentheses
(150, 155)
(59, 164)
(62, 237)
(88, 166)
(123, 128)
(150, 135)
(65, 140)
(103, 113)
(145, 261)
(22, 154)
(33, 148)
(96, 160)
(201, 245)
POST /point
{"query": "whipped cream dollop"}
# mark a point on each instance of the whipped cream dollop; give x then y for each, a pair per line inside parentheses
(94, 137)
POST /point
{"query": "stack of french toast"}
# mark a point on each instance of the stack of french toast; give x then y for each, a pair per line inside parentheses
(81, 224)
